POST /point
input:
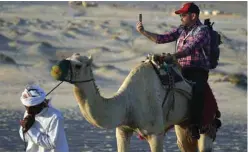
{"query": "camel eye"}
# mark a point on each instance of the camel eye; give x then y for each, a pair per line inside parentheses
(78, 67)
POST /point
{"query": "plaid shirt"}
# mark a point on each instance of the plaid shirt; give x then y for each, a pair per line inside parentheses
(191, 41)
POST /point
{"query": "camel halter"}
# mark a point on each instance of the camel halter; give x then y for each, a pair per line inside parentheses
(70, 80)
(67, 73)
(71, 74)
(68, 63)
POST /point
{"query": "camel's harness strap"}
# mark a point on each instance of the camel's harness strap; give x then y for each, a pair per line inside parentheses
(171, 82)
(171, 85)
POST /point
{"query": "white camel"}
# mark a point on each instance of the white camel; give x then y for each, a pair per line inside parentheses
(135, 107)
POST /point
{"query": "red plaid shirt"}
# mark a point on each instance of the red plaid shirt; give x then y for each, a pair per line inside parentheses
(191, 41)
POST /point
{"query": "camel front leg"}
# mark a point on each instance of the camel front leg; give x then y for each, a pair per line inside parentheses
(123, 139)
(156, 142)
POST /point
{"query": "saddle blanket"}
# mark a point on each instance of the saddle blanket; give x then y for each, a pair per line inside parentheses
(210, 106)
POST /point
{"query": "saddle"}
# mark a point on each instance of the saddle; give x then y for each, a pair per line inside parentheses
(167, 72)
(171, 75)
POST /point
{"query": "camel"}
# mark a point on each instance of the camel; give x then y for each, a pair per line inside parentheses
(135, 107)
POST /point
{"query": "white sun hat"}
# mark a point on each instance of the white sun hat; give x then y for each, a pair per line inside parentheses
(32, 95)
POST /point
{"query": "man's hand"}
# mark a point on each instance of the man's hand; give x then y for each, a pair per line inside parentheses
(140, 27)
(27, 122)
(149, 35)
(168, 59)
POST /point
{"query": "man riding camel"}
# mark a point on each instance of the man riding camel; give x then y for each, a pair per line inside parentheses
(192, 51)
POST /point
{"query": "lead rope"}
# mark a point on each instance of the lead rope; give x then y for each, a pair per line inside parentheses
(54, 88)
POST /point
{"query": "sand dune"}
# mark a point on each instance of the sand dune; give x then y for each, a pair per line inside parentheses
(37, 36)
(110, 68)
(42, 48)
(4, 59)
(5, 42)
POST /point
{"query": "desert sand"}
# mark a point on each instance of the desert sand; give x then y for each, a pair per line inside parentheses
(35, 35)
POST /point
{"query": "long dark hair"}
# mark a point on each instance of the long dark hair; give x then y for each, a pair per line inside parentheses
(34, 110)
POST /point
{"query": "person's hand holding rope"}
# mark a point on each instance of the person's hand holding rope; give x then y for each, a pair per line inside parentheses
(27, 122)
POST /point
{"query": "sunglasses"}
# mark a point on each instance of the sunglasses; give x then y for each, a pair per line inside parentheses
(33, 92)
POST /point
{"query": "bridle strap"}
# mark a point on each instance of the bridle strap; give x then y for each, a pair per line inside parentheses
(83, 81)
(73, 82)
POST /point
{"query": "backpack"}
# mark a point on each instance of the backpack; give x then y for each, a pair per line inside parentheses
(215, 41)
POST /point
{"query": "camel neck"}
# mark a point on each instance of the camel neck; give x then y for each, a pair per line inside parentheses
(99, 111)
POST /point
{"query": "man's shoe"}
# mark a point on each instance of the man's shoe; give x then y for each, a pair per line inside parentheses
(194, 132)
(217, 123)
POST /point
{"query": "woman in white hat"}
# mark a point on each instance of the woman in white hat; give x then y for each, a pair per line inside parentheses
(43, 126)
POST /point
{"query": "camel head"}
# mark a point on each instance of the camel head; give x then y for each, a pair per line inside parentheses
(74, 69)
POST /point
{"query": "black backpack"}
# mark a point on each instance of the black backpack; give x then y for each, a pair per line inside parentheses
(215, 41)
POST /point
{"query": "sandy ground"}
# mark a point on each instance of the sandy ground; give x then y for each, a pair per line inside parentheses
(34, 35)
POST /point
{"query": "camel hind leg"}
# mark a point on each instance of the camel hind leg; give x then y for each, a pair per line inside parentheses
(205, 143)
(185, 143)
(123, 137)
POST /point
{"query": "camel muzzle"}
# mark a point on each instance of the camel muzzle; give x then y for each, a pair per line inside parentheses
(61, 71)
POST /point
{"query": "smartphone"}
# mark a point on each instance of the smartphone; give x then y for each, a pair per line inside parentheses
(140, 17)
